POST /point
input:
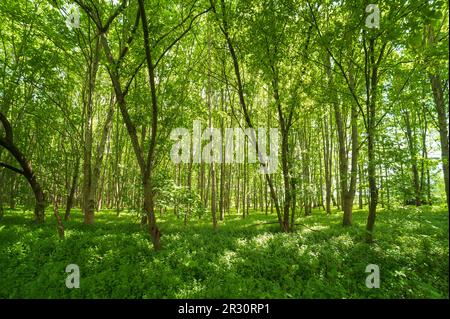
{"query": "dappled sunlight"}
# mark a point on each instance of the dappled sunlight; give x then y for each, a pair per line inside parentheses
(190, 289)
(239, 259)
(344, 241)
(262, 240)
(227, 259)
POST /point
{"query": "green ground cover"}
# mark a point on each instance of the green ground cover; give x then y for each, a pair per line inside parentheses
(245, 258)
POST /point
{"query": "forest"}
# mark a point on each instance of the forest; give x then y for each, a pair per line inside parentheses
(224, 149)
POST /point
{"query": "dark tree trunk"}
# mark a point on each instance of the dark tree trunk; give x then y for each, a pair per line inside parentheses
(59, 224)
(28, 172)
(149, 209)
(439, 103)
(371, 100)
(442, 112)
(88, 189)
(73, 187)
(413, 158)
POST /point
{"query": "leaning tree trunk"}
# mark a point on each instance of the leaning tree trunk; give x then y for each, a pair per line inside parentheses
(149, 209)
(149, 204)
(88, 189)
(1, 199)
(212, 163)
(413, 158)
(28, 172)
(224, 29)
(327, 162)
(347, 178)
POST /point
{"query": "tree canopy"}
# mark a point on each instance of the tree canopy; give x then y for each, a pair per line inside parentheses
(289, 108)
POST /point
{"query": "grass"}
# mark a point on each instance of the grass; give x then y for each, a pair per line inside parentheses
(245, 258)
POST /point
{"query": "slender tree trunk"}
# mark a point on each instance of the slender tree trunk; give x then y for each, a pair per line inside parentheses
(222, 191)
(294, 201)
(202, 182)
(148, 187)
(149, 209)
(26, 169)
(442, 112)
(59, 224)
(347, 179)
(73, 188)
(306, 163)
(244, 181)
(360, 183)
(413, 158)
(439, 103)
(327, 164)
(222, 163)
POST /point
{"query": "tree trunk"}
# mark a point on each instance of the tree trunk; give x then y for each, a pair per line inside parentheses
(59, 224)
(439, 102)
(413, 157)
(88, 191)
(150, 214)
(347, 179)
(360, 192)
(438, 95)
(212, 163)
(73, 187)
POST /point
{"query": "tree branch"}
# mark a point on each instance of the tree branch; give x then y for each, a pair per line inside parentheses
(12, 168)
(180, 36)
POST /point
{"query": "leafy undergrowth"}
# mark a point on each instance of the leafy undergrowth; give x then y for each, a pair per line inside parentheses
(247, 258)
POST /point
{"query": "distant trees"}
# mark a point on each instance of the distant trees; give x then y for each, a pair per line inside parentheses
(87, 113)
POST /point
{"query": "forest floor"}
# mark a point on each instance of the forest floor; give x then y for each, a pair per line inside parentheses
(245, 258)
